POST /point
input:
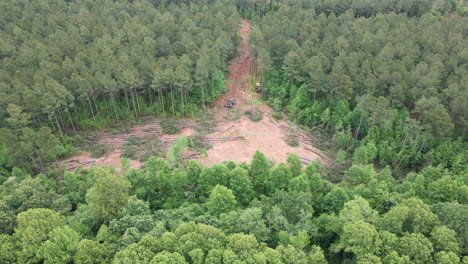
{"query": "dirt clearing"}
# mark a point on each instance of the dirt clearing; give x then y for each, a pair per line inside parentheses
(266, 135)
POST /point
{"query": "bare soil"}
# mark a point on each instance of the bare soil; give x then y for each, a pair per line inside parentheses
(266, 135)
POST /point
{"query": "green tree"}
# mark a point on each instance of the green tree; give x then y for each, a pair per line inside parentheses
(221, 200)
(444, 257)
(108, 195)
(34, 227)
(90, 252)
(444, 239)
(295, 164)
(417, 247)
(361, 156)
(168, 258)
(259, 168)
(61, 246)
(360, 238)
(8, 249)
(241, 185)
(279, 178)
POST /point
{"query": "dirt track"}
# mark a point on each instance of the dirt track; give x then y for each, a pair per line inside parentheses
(265, 135)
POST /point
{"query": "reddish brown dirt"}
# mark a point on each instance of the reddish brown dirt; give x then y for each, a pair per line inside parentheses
(239, 70)
(265, 135)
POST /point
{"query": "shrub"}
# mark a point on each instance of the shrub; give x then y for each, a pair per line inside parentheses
(254, 116)
(98, 150)
(291, 140)
(277, 116)
(170, 126)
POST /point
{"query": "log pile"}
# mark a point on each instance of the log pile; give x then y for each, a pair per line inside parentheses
(307, 139)
(223, 139)
(73, 164)
(194, 155)
(220, 132)
(318, 152)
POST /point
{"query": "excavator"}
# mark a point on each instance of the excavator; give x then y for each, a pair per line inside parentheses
(230, 103)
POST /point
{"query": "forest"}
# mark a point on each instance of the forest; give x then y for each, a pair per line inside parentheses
(384, 84)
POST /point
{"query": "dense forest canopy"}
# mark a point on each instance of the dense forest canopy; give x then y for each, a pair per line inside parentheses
(81, 65)
(390, 82)
(385, 81)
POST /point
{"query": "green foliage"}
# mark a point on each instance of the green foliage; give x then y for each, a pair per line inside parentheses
(221, 200)
(291, 140)
(34, 228)
(170, 126)
(90, 252)
(377, 78)
(61, 246)
(259, 168)
(277, 116)
(107, 196)
(99, 149)
(293, 211)
(176, 149)
(87, 79)
(254, 115)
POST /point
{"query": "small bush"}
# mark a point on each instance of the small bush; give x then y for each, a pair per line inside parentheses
(205, 127)
(197, 143)
(98, 150)
(292, 141)
(233, 115)
(170, 126)
(147, 154)
(277, 116)
(120, 128)
(254, 116)
(129, 152)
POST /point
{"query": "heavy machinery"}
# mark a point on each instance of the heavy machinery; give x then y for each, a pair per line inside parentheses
(258, 88)
(230, 103)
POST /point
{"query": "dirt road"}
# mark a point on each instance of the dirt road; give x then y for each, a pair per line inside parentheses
(239, 70)
(266, 135)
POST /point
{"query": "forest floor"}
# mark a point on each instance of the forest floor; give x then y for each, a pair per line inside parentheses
(267, 135)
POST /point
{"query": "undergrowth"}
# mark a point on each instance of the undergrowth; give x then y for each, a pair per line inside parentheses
(170, 126)
(254, 116)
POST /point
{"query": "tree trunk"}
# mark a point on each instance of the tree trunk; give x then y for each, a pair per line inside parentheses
(203, 92)
(128, 102)
(359, 126)
(71, 121)
(422, 145)
(134, 105)
(58, 125)
(115, 111)
(137, 101)
(62, 121)
(172, 102)
(97, 108)
(150, 97)
(212, 87)
(91, 108)
(107, 106)
(182, 101)
(162, 100)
